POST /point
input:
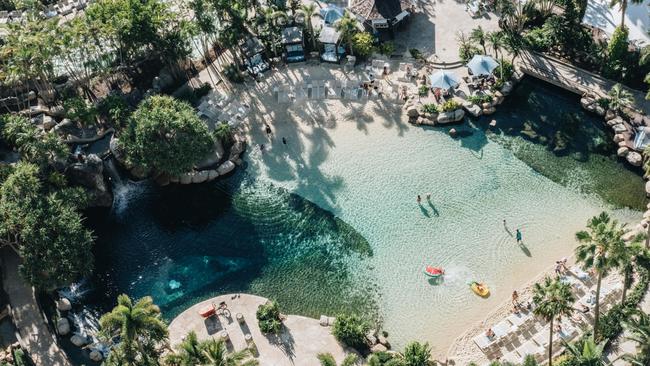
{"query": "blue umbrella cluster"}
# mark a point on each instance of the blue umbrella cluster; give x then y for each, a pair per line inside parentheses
(444, 80)
(482, 65)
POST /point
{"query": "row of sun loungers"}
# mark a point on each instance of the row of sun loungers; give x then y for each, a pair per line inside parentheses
(333, 89)
(62, 8)
(523, 334)
(217, 108)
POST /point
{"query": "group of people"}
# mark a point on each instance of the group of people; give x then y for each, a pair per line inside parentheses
(419, 198)
(269, 133)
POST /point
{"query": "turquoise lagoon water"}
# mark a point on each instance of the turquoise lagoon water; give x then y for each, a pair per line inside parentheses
(330, 222)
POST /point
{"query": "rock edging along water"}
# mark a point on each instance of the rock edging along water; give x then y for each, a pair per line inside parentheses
(208, 170)
(624, 125)
(417, 114)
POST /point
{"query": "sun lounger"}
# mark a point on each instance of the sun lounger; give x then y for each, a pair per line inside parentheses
(482, 341)
(530, 348)
(301, 94)
(502, 328)
(541, 338)
(512, 357)
(333, 89)
(580, 274)
(517, 319)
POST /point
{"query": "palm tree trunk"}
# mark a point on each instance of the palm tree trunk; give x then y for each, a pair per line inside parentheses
(623, 10)
(597, 308)
(627, 277)
(550, 344)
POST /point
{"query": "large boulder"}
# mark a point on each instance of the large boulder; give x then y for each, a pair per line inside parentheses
(489, 110)
(139, 172)
(618, 138)
(89, 174)
(647, 188)
(95, 355)
(610, 114)
(200, 177)
(507, 88)
(185, 178)
(619, 128)
(378, 348)
(66, 127)
(117, 150)
(473, 109)
(622, 151)
(412, 112)
(634, 158)
(212, 175)
(585, 102)
(78, 340)
(226, 167)
(450, 117)
(63, 326)
(63, 304)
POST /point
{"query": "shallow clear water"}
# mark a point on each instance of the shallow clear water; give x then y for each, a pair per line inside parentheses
(364, 242)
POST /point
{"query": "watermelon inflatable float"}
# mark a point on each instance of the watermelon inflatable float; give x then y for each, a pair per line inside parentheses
(433, 271)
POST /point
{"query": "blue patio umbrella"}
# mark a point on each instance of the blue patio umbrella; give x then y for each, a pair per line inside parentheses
(444, 80)
(331, 14)
(482, 65)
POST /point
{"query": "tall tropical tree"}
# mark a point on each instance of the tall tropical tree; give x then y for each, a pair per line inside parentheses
(638, 327)
(216, 354)
(347, 26)
(479, 36)
(496, 41)
(417, 354)
(139, 326)
(626, 261)
(309, 10)
(600, 246)
(188, 353)
(591, 353)
(326, 359)
(619, 98)
(623, 6)
(554, 299)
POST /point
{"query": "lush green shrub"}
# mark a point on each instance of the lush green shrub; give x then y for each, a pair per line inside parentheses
(20, 358)
(430, 108)
(80, 111)
(233, 74)
(504, 71)
(618, 56)
(417, 354)
(384, 359)
(537, 39)
(416, 54)
(166, 135)
(387, 48)
(423, 90)
(467, 51)
(603, 102)
(363, 44)
(449, 106)
(480, 99)
(268, 317)
(529, 360)
(351, 330)
(114, 109)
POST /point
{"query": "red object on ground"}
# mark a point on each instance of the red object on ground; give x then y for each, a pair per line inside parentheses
(208, 311)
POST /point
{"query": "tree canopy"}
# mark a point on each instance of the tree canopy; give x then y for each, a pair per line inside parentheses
(45, 228)
(166, 135)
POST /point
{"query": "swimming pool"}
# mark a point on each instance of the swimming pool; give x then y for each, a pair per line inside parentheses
(330, 223)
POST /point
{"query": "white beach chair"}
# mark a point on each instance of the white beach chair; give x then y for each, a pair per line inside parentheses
(301, 94)
(333, 89)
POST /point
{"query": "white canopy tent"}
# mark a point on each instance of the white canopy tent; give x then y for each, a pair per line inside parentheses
(637, 19)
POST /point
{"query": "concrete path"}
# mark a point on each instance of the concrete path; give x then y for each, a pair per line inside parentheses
(33, 332)
(573, 78)
(300, 341)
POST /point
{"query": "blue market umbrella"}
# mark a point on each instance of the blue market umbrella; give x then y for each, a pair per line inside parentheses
(444, 80)
(482, 65)
(331, 14)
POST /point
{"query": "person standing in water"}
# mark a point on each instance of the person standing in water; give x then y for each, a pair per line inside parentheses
(419, 199)
(518, 235)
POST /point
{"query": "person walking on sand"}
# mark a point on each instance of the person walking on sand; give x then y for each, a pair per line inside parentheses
(518, 235)
(428, 196)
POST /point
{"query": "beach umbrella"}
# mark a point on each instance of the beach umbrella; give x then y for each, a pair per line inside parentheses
(444, 80)
(331, 14)
(482, 65)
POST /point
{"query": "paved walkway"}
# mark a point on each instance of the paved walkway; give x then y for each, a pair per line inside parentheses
(573, 78)
(301, 339)
(33, 333)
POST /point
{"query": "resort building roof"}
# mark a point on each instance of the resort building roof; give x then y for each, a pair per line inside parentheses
(637, 18)
(378, 9)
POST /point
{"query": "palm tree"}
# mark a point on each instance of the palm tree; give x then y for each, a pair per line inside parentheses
(599, 250)
(623, 6)
(638, 326)
(514, 43)
(216, 354)
(591, 353)
(189, 352)
(417, 354)
(495, 39)
(347, 26)
(553, 299)
(619, 97)
(309, 10)
(479, 36)
(326, 359)
(139, 326)
(627, 255)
